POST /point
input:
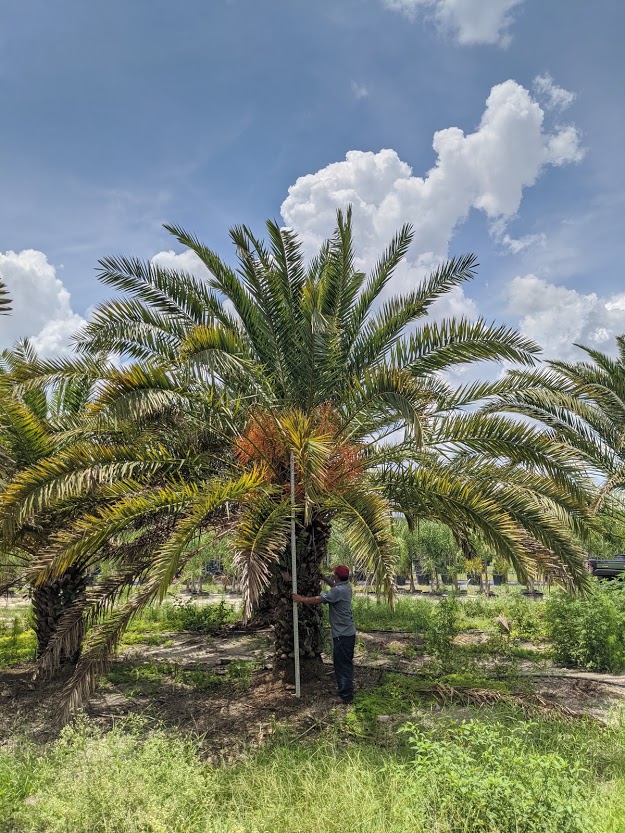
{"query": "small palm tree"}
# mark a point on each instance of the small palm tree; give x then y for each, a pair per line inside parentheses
(34, 425)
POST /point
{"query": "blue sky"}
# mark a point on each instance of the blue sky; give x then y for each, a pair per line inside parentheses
(119, 115)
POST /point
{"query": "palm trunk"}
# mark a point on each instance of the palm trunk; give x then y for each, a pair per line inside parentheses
(312, 543)
(50, 600)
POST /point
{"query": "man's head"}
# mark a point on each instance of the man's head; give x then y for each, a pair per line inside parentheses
(341, 572)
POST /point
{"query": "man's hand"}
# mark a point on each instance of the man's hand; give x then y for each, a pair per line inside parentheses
(306, 600)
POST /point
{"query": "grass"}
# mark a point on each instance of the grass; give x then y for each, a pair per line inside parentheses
(475, 613)
(449, 769)
(412, 615)
(148, 678)
(495, 772)
(17, 641)
(403, 695)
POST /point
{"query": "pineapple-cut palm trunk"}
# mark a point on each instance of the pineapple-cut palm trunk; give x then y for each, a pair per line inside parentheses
(312, 543)
(50, 600)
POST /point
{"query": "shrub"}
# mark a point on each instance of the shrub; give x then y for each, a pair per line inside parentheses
(588, 632)
(439, 640)
(527, 619)
(484, 778)
(207, 618)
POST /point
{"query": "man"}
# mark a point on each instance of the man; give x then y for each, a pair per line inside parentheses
(339, 598)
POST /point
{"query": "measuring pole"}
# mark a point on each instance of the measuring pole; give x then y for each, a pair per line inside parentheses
(294, 579)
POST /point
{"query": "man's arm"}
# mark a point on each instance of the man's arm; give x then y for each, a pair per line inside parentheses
(306, 600)
(329, 580)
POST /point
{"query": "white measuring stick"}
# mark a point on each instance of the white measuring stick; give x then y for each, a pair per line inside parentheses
(294, 580)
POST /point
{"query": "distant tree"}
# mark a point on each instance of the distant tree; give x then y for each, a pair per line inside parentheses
(439, 550)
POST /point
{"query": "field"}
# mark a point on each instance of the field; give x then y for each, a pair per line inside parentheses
(462, 721)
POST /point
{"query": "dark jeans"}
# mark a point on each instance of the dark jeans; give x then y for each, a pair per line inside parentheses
(343, 658)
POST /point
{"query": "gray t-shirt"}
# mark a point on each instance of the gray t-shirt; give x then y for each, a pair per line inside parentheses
(339, 598)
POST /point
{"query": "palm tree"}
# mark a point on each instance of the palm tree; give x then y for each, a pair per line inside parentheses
(281, 356)
(63, 461)
(33, 426)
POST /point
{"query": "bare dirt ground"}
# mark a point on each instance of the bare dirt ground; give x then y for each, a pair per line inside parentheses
(227, 718)
(231, 719)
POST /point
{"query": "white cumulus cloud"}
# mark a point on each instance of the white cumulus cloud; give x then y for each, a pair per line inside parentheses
(557, 317)
(186, 261)
(468, 21)
(520, 244)
(41, 304)
(485, 170)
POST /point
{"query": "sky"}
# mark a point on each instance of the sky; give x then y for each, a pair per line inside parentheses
(493, 126)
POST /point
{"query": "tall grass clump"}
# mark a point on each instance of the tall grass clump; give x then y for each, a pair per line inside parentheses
(124, 780)
(589, 631)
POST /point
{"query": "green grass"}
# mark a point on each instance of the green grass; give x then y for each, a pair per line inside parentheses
(412, 615)
(18, 643)
(147, 679)
(493, 773)
(406, 695)
(477, 612)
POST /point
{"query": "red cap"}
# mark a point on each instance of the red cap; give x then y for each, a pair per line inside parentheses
(341, 571)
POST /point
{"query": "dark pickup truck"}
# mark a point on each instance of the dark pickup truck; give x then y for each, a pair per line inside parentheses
(607, 567)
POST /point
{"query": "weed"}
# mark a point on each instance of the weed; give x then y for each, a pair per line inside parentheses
(492, 782)
(208, 618)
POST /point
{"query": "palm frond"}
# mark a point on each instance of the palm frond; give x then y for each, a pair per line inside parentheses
(367, 525)
(382, 331)
(5, 301)
(261, 535)
(377, 281)
(442, 345)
